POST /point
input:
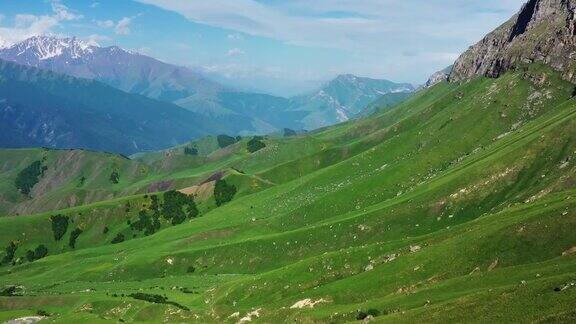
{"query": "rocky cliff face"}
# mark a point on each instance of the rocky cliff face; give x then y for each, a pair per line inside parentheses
(544, 31)
(438, 77)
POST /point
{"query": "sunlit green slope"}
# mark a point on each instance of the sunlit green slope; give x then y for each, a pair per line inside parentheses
(458, 205)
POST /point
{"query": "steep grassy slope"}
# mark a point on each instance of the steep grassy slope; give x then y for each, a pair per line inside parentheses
(457, 205)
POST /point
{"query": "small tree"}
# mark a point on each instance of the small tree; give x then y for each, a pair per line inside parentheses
(114, 177)
(29, 177)
(118, 239)
(225, 140)
(40, 252)
(10, 253)
(255, 144)
(74, 236)
(59, 226)
(178, 207)
(191, 151)
(223, 192)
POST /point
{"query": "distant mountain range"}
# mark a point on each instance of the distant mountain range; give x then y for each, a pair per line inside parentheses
(238, 112)
(40, 108)
(345, 98)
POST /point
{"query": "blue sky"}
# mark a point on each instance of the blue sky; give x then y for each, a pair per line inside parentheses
(277, 46)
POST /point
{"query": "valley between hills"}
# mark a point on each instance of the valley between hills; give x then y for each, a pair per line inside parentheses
(454, 204)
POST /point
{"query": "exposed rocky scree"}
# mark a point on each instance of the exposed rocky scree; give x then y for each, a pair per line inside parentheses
(544, 31)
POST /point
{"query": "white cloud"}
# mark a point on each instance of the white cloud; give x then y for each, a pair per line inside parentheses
(377, 33)
(95, 39)
(27, 25)
(94, 4)
(123, 26)
(105, 23)
(235, 52)
(62, 12)
(236, 37)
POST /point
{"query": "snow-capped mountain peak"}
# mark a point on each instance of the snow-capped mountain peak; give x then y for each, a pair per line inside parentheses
(47, 47)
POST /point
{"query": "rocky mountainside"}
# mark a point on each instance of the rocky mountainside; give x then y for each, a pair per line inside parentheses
(346, 97)
(438, 77)
(544, 31)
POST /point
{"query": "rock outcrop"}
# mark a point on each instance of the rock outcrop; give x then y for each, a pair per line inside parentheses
(544, 31)
(438, 77)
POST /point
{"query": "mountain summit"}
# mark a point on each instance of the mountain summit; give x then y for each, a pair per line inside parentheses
(346, 97)
(40, 48)
(544, 31)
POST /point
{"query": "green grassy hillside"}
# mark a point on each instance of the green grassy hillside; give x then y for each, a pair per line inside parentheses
(458, 205)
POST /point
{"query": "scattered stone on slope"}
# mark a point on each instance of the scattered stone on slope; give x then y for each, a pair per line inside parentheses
(26, 320)
(415, 248)
(307, 303)
(493, 265)
(250, 315)
(570, 251)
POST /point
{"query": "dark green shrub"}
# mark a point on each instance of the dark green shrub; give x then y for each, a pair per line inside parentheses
(364, 314)
(40, 252)
(10, 253)
(191, 151)
(9, 291)
(152, 298)
(255, 144)
(114, 177)
(223, 192)
(30, 255)
(225, 140)
(29, 177)
(105, 230)
(146, 222)
(158, 299)
(191, 269)
(178, 207)
(118, 238)
(59, 226)
(74, 236)
(41, 312)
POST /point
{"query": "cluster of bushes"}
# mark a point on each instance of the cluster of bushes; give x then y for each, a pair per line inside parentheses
(191, 151)
(149, 223)
(59, 226)
(118, 238)
(10, 291)
(225, 140)
(29, 177)
(255, 144)
(40, 252)
(114, 177)
(74, 236)
(10, 253)
(157, 299)
(178, 207)
(223, 192)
